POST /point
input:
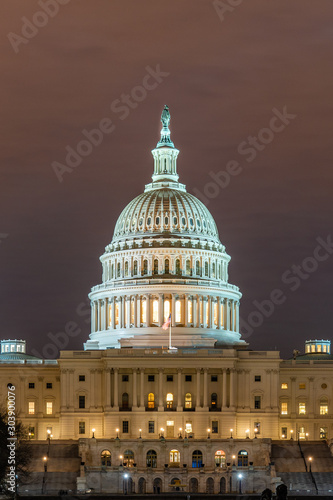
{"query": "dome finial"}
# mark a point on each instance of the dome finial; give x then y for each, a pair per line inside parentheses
(165, 132)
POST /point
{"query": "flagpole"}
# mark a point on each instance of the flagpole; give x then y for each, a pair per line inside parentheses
(170, 336)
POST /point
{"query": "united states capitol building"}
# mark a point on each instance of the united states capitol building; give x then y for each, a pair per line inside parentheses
(189, 406)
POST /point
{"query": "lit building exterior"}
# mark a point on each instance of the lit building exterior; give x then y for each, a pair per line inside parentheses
(192, 410)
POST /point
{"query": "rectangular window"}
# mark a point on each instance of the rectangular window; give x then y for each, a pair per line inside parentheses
(82, 427)
(257, 402)
(301, 386)
(151, 427)
(215, 427)
(213, 378)
(323, 409)
(257, 378)
(124, 378)
(284, 432)
(82, 378)
(82, 401)
(284, 408)
(48, 385)
(284, 386)
(31, 431)
(49, 407)
(188, 427)
(125, 426)
(31, 385)
(301, 408)
(188, 378)
(151, 378)
(31, 407)
(169, 378)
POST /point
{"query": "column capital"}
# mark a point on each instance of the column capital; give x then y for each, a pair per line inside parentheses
(179, 370)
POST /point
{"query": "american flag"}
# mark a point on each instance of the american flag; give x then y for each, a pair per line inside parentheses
(167, 323)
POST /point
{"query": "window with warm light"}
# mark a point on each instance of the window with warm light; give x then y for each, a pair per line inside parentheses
(110, 315)
(284, 386)
(323, 406)
(188, 400)
(151, 400)
(284, 408)
(220, 459)
(174, 457)
(178, 311)
(301, 386)
(117, 314)
(215, 313)
(106, 458)
(31, 407)
(169, 400)
(49, 407)
(188, 427)
(155, 311)
(132, 312)
(143, 311)
(190, 311)
(301, 408)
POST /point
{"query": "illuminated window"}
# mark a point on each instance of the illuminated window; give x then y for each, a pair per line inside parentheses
(215, 313)
(151, 400)
(197, 268)
(213, 400)
(301, 408)
(207, 310)
(301, 386)
(188, 400)
(178, 266)
(143, 311)
(324, 348)
(284, 386)
(174, 457)
(31, 407)
(200, 311)
(155, 266)
(145, 266)
(169, 400)
(117, 314)
(284, 408)
(178, 311)
(132, 312)
(284, 433)
(126, 268)
(220, 458)
(188, 427)
(166, 309)
(106, 458)
(128, 458)
(49, 406)
(323, 432)
(222, 315)
(323, 406)
(319, 348)
(135, 268)
(167, 266)
(110, 315)
(155, 311)
(313, 348)
(188, 267)
(189, 311)
(307, 348)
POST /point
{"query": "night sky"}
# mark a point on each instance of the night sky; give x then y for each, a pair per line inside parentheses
(225, 75)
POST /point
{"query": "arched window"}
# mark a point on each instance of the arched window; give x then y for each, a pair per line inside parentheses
(210, 486)
(213, 401)
(124, 400)
(112, 270)
(197, 268)
(135, 268)
(174, 458)
(324, 406)
(126, 268)
(155, 311)
(194, 486)
(118, 270)
(128, 458)
(155, 266)
(178, 311)
(151, 459)
(196, 459)
(151, 400)
(145, 266)
(106, 458)
(142, 486)
(169, 400)
(178, 267)
(220, 458)
(188, 267)
(243, 458)
(188, 400)
(167, 266)
(213, 270)
(206, 269)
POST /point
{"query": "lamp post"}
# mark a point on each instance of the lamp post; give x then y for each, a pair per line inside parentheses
(93, 432)
(125, 483)
(247, 433)
(310, 462)
(255, 432)
(48, 435)
(231, 431)
(240, 483)
(117, 431)
(234, 458)
(44, 475)
(161, 433)
(208, 433)
(121, 460)
(180, 433)
(140, 431)
(291, 435)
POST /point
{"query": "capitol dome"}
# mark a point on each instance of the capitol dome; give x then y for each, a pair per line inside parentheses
(165, 264)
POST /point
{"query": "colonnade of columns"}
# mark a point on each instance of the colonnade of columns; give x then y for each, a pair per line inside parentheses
(197, 311)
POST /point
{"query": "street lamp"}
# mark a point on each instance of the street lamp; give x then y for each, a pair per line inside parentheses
(306, 435)
(45, 464)
(255, 432)
(140, 430)
(117, 431)
(161, 432)
(125, 483)
(291, 435)
(93, 431)
(180, 433)
(234, 458)
(208, 433)
(231, 431)
(121, 459)
(247, 433)
(310, 460)
(240, 483)
(48, 435)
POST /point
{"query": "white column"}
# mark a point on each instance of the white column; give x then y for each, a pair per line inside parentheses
(186, 309)
(209, 319)
(135, 391)
(135, 305)
(98, 316)
(199, 303)
(237, 317)
(173, 310)
(219, 315)
(148, 310)
(93, 315)
(106, 312)
(179, 389)
(204, 316)
(113, 313)
(160, 309)
(194, 310)
(198, 402)
(228, 314)
(128, 312)
(160, 390)
(138, 311)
